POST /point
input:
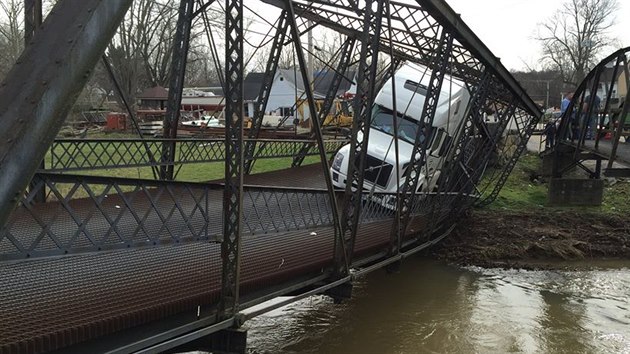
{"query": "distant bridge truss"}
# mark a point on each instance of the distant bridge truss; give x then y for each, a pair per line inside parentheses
(93, 261)
(593, 125)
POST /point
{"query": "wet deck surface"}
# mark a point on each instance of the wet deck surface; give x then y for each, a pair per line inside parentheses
(49, 303)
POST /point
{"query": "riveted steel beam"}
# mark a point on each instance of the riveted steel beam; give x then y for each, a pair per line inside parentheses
(453, 23)
(39, 91)
(233, 192)
(181, 43)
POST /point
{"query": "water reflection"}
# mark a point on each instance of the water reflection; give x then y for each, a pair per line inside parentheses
(432, 308)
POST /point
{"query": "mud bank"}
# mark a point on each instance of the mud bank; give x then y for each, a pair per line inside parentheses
(535, 240)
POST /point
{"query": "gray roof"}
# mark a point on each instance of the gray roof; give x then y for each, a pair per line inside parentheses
(323, 80)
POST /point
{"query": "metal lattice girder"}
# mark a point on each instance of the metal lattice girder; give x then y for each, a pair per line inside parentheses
(474, 113)
(97, 214)
(313, 113)
(492, 141)
(39, 91)
(91, 214)
(479, 150)
(342, 68)
(233, 193)
(366, 92)
(418, 154)
(88, 154)
(567, 132)
(181, 43)
(265, 89)
(414, 32)
(623, 115)
(607, 107)
(585, 120)
(527, 127)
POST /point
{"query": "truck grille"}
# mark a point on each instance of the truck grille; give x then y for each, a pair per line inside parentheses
(377, 171)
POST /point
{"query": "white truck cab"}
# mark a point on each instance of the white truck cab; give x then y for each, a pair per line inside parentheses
(411, 82)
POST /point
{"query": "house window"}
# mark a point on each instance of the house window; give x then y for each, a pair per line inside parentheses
(246, 110)
(286, 111)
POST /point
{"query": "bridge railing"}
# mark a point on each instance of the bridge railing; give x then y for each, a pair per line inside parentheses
(93, 213)
(89, 154)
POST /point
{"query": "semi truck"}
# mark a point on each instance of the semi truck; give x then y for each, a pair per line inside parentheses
(411, 82)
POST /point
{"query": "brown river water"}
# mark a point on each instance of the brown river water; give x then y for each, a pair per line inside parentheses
(429, 307)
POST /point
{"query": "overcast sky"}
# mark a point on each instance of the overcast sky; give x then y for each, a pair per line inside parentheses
(508, 27)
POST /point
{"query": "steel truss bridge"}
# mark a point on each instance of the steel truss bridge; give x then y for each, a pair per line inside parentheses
(592, 126)
(93, 262)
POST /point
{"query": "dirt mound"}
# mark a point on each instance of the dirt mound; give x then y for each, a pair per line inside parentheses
(525, 239)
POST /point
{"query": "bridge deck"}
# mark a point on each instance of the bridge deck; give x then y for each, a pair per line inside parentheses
(49, 303)
(605, 149)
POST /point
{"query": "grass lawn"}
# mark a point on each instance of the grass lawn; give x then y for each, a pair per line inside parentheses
(521, 193)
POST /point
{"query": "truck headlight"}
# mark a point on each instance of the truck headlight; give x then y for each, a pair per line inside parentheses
(336, 165)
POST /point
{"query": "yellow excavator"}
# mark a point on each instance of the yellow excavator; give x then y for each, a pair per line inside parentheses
(340, 115)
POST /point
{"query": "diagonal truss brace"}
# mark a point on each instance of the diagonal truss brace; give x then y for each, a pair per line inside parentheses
(181, 44)
(366, 92)
(418, 154)
(342, 68)
(318, 133)
(265, 90)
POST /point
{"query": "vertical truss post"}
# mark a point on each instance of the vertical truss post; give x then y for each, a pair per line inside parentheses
(178, 71)
(622, 117)
(265, 90)
(342, 68)
(366, 92)
(299, 53)
(233, 192)
(608, 99)
(418, 155)
(590, 111)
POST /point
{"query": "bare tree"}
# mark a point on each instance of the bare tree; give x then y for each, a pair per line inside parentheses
(11, 33)
(141, 51)
(574, 37)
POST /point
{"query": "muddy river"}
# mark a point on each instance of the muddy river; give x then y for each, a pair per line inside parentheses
(433, 308)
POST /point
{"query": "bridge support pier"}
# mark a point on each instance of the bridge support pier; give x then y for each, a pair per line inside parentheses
(340, 293)
(227, 341)
(576, 192)
(565, 162)
(393, 268)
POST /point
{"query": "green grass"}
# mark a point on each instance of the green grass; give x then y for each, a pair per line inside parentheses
(521, 194)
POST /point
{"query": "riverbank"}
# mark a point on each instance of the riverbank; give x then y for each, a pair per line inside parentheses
(519, 230)
(535, 239)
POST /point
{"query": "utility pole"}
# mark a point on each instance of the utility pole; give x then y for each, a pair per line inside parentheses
(309, 64)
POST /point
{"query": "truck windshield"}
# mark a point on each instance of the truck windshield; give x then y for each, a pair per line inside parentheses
(382, 119)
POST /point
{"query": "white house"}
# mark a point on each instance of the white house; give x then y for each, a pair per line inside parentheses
(288, 87)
